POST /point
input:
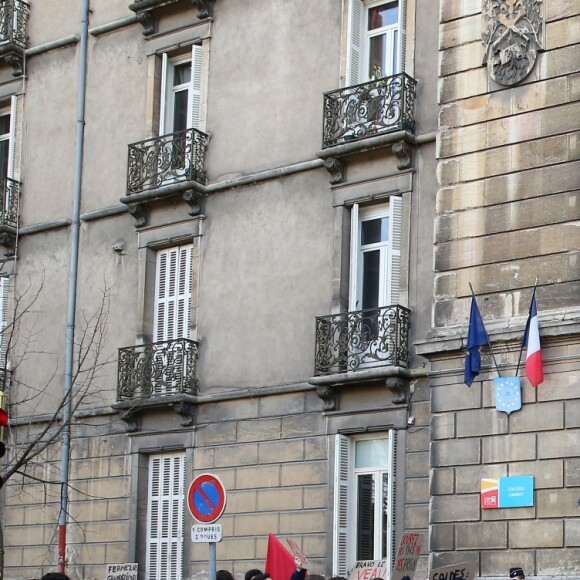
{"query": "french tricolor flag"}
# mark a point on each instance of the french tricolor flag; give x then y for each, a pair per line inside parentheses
(534, 368)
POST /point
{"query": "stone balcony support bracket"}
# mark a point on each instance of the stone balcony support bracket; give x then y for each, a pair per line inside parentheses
(145, 12)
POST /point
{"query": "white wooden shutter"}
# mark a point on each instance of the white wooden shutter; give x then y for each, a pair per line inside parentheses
(403, 33)
(195, 90)
(392, 501)
(163, 97)
(12, 146)
(173, 293)
(165, 502)
(342, 461)
(394, 255)
(4, 338)
(353, 62)
(354, 251)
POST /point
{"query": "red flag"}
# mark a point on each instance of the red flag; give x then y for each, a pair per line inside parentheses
(279, 562)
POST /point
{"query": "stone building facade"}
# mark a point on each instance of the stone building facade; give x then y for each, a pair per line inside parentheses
(507, 217)
(281, 206)
(253, 182)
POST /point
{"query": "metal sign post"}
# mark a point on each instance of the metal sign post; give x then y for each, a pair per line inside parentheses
(206, 499)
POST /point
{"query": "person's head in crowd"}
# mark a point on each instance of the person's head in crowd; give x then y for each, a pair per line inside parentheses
(251, 573)
(55, 576)
(224, 575)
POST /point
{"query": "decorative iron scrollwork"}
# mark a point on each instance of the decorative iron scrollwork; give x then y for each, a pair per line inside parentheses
(167, 159)
(379, 106)
(512, 37)
(363, 339)
(13, 22)
(156, 370)
(9, 198)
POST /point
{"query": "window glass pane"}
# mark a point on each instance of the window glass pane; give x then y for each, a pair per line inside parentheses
(4, 124)
(372, 453)
(394, 56)
(371, 279)
(181, 74)
(366, 517)
(180, 112)
(377, 57)
(4, 148)
(385, 515)
(373, 231)
(383, 15)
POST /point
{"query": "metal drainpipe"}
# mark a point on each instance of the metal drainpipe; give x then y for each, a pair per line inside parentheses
(72, 298)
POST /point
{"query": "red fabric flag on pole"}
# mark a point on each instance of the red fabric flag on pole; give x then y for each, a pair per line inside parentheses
(279, 562)
(534, 366)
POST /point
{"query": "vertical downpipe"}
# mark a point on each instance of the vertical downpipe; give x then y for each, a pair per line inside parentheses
(67, 410)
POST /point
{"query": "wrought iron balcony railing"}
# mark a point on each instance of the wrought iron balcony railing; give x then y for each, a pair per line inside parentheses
(379, 106)
(9, 198)
(167, 159)
(363, 339)
(159, 369)
(14, 22)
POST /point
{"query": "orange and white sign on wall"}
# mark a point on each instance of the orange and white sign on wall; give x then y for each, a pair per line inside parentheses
(489, 494)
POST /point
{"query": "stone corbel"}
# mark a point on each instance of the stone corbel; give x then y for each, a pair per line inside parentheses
(329, 397)
(335, 167)
(16, 61)
(399, 387)
(187, 412)
(148, 22)
(204, 7)
(403, 152)
(140, 213)
(195, 202)
(132, 420)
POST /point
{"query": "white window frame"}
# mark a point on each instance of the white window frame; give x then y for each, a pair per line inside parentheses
(10, 137)
(357, 55)
(193, 87)
(345, 505)
(165, 501)
(390, 252)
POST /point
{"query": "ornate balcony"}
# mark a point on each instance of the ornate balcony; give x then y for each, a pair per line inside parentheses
(361, 340)
(9, 200)
(166, 160)
(13, 32)
(379, 106)
(157, 370)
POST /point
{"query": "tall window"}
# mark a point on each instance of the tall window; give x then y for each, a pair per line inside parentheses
(7, 138)
(375, 255)
(165, 516)
(376, 39)
(173, 293)
(181, 92)
(364, 500)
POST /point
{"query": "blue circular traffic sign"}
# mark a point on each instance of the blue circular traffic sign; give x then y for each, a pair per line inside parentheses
(206, 498)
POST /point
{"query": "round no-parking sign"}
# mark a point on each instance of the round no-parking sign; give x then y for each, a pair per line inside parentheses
(206, 498)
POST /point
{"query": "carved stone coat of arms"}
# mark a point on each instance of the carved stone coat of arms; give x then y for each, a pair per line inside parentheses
(512, 37)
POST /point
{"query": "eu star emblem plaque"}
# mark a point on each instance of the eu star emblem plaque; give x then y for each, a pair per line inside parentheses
(508, 394)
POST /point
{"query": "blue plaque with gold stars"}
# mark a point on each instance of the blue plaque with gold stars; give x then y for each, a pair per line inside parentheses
(508, 394)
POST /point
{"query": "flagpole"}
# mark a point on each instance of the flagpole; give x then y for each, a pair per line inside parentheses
(522, 347)
(488, 341)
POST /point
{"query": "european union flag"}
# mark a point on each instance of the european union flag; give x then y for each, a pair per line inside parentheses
(476, 337)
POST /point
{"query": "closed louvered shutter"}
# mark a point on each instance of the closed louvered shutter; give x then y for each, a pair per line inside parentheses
(196, 53)
(394, 253)
(355, 14)
(173, 293)
(165, 516)
(341, 502)
(4, 333)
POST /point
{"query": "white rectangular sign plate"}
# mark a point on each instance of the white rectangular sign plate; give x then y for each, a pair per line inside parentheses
(206, 533)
